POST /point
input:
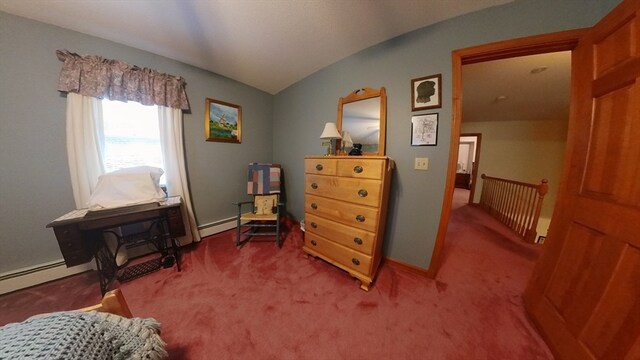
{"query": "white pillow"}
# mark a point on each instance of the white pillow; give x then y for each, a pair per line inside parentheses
(129, 186)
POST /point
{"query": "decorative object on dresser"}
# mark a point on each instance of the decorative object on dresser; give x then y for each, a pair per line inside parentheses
(356, 150)
(345, 212)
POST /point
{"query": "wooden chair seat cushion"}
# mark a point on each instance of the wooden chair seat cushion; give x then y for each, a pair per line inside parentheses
(259, 217)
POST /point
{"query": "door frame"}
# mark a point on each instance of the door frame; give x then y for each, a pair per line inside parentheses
(532, 45)
(476, 163)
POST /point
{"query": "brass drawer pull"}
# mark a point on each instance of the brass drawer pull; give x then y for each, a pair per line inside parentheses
(355, 261)
(363, 193)
(314, 186)
(360, 218)
(319, 167)
(314, 225)
(314, 243)
(357, 169)
(314, 206)
(357, 241)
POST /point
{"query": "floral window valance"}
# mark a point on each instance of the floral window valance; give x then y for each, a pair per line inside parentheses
(97, 77)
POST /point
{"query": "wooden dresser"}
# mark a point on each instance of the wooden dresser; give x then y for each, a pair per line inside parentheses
(345, 211)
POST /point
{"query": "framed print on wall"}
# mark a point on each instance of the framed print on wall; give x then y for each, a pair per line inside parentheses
(424, 130)
(222, 121)
(426, 92)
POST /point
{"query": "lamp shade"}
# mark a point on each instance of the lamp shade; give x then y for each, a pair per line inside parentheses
(346, 139)
(330, 131)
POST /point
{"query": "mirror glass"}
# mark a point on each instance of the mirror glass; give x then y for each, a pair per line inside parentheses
(362, 120)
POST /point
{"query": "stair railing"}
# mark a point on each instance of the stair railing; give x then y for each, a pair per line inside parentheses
(515, 204)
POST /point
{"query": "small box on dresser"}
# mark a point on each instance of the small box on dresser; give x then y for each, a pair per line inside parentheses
(346, 210)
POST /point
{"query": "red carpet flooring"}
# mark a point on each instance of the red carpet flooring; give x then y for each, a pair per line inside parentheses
(261, 302)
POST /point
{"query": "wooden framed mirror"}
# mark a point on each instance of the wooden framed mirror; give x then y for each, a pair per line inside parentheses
(363, 116)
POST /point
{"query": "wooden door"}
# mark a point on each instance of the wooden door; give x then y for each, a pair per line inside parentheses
(584, 294)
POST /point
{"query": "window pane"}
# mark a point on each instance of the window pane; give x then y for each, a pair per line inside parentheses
(132, 136)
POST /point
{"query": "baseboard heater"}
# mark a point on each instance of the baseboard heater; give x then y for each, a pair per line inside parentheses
(35, 275)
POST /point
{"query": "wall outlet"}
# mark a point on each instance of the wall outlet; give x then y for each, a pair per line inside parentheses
(421, 164)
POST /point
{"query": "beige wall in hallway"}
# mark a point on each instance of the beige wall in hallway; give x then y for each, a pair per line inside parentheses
(524, 151)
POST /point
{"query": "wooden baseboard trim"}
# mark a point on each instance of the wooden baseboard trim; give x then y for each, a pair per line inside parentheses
(406, 267)
(35, 275)
(217, 227)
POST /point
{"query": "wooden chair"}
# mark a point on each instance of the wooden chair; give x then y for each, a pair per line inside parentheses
(263, 219)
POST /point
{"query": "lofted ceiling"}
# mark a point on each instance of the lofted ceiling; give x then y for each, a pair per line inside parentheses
(512, 89)
(268, 44)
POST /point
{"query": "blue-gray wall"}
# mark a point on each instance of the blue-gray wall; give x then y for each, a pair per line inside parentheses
(35, 185)
(34, 180)
(417, 196)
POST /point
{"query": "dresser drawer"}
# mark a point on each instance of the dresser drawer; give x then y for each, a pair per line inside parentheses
(338, 253)
(324, 166)
(356, 239)
(358, 191)
(361, 168)
(362, 217)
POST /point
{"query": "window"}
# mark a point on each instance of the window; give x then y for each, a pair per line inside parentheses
(131, 136)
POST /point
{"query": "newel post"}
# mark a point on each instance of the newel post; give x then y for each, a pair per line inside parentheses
(542, 190)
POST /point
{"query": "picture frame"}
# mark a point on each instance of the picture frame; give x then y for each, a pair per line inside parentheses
(424, 130)
(426, 92)
(222, 121)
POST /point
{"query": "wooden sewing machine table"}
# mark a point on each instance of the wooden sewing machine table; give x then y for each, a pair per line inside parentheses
(81, 237)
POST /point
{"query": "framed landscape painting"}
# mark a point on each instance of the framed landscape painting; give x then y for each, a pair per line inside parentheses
(222, 121)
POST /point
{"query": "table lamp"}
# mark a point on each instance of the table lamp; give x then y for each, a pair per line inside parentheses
(330, 133)
(347, 142)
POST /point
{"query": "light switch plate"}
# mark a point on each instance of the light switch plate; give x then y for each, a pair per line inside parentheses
(421, 164)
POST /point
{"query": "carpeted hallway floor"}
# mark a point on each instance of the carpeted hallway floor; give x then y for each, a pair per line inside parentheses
(260, 302)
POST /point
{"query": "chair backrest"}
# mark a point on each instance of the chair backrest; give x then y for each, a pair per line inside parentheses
(263, 179)
(265, 204)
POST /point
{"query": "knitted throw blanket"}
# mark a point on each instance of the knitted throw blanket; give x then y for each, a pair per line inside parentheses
(82, 335)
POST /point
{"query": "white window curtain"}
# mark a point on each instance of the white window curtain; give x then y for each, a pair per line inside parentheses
(85, 148)
(171, 142)
(84, 145)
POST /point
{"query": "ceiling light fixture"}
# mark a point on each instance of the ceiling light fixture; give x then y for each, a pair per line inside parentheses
(538, 70)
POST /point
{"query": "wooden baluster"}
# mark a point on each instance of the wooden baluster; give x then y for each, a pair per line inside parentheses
(516, 204)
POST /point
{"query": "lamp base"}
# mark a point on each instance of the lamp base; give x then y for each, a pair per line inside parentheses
(329, 146)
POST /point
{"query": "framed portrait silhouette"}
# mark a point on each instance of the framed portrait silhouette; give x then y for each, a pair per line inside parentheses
(426, 92)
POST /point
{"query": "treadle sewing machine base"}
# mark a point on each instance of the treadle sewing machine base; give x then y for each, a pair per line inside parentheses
(83, 235)
(155, 235)
(132, 272)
